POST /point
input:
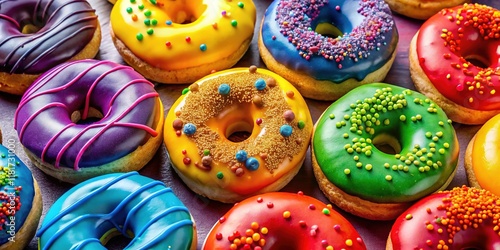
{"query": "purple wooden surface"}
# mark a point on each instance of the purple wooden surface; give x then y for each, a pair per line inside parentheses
(204, 211)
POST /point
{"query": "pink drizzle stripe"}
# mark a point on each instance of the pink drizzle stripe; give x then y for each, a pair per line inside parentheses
(94, 84)
(53, 139)
(50, 105)
(10, 19)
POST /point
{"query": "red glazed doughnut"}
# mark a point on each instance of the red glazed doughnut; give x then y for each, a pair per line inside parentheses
(454, 61)
(463, 218)
(280, 220)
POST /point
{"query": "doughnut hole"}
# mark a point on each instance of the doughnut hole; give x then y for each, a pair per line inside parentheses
(186, 12)
(387, 144)
(234, 122)
(92, 116)
(478, 60)
(332, 22)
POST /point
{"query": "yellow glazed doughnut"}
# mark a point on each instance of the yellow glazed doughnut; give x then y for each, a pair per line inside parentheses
(482, 161)
(200, 127)
(182, 41)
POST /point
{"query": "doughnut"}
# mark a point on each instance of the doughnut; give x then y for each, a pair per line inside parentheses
(182, 41)
(422, 9)
(238, 133)
(453, 61)
(37, 35)
(20, 198)
(129, 204)
(463, 218)
(481, 157)
(280, 220)
(326, 49)
(88, 117)
(381, 147)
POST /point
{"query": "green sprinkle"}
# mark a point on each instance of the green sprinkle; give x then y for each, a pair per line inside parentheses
(402, 118)
(446, 145)
(154, 22)
(220, 175)
(234, 23)
(150, 31)
(206, 152)
(350, 150)
(152, 2)
(356, 158)
(435, 138)
(346, 117)
(147, 13)
(347, 171)
(132, 1)
(441, 123)
(359, 164)
(130, 10)
(141, 7)
(147, 22)
(439, 134)
(301, 124)
(346, 135)
(139, 36)
(332, 116)
(326, 211)
(419, 117)
(388, 178)
(441, 151)
(241, 5)
(185, 91)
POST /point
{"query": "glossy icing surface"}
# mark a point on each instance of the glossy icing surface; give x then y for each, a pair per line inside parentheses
(130, 203)
(458, 51)
(485, 160)
(349, 133)
(16, 192)
(180, 34)
(464, 218)
(65, 28)
(283, 221)
(368, 42)
(198, 126)
(129, 105)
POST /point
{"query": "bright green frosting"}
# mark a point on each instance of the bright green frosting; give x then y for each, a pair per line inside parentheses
(127, 202)
(349, 134)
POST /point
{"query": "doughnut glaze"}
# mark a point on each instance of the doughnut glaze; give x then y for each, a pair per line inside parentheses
(368, 40)
(463, 218)
(179, 35)
(116, 111)
(199, 125)
(66, 27)
(347, 134)
(17, 195)
(280, 220)
(134, 205)
(457, 51)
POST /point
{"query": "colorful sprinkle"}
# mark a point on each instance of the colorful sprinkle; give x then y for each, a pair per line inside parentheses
(301, 124)
(252, 164)
(220, 175)
(168, 22)
(224, 89)
(286, 130)
(234, 23)
(139, 36)
(130, 10)
(203, 47)
(189, 129)
(241, 5)
(260, 84)
(241, 155)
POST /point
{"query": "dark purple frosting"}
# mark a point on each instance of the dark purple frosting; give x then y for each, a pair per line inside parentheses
(128, 102)
(67, 26)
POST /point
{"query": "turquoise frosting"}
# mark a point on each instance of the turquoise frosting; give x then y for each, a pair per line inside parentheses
(128, 202)
(14, 174)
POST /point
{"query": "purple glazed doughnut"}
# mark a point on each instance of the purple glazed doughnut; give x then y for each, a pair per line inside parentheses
(87, 118)
(37, 35)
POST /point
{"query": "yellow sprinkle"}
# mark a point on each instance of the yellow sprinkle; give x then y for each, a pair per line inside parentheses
(264, 230)
(286, 214)
(492, 92)
(471, 99)
(348, 242)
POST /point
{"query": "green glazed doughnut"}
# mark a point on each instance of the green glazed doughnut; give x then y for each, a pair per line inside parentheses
(383, 145)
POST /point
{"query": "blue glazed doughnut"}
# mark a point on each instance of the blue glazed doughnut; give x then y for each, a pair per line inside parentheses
(132, 204)
(327, 48)
(20, 199)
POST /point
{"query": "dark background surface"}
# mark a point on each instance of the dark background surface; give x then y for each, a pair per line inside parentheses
(204, 211)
